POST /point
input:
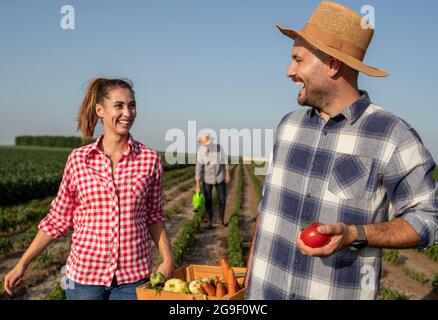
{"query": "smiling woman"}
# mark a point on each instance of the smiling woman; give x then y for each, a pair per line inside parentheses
(105, 99)
(111, 194)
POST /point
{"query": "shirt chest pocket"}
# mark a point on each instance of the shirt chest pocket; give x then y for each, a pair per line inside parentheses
(140, 185)
(349, 176)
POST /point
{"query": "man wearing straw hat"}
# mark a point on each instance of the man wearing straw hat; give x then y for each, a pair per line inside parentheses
(344, 162)
(212, 170)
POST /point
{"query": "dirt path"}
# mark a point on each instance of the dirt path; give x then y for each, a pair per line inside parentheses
(41, 291)
(187, 195)
(175, 222)
(172, 193)
(38, 281)
(417, 261)
(210, 245)
(395, 277)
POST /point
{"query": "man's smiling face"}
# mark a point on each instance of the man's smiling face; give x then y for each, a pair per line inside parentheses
(308, 71)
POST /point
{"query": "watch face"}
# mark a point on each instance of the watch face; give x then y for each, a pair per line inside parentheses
(359, 244)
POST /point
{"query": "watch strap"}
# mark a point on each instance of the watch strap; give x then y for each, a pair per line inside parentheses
(361, 235)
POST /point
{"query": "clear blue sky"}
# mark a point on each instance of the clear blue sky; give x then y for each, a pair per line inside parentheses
(221, 63)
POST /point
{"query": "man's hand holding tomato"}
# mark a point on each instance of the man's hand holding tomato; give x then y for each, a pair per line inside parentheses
(341, 237)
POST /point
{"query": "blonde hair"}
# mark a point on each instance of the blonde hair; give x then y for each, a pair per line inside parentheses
(96, 91)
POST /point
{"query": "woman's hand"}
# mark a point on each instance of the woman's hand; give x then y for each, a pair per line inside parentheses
(158, 234)
(166, 269)
(13, 278)
(41, 241)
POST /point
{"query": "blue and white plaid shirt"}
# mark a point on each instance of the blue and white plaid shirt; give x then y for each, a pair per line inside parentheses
(364, 166)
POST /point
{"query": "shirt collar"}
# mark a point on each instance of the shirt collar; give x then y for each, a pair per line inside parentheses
(133, 147)
(354, 111)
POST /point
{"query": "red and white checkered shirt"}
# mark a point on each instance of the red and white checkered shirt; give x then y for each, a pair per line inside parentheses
(110, 217)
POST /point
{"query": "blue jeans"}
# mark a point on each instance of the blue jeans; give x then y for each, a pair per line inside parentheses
(77, 291)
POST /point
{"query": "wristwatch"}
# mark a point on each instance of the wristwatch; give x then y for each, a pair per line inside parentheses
(361, 241)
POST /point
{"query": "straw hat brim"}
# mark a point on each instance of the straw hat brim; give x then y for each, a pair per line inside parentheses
(204, 141)
(350, 61)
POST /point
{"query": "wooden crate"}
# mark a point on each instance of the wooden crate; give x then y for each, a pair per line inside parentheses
(190, 273)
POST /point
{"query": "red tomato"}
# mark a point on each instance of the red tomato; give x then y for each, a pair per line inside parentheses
(312, 238)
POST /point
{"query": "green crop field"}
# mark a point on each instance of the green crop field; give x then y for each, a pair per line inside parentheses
(27, 173)
(35, 172)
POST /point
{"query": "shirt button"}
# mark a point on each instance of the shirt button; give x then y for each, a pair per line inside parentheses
(325, 132)
(308, 195)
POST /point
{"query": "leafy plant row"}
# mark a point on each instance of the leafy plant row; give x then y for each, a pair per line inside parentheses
(20, 242)
(185, 237)
(18, 218)
(235, 238)
(174, 177)
(391, 294)
(431, 252)
(256, 182)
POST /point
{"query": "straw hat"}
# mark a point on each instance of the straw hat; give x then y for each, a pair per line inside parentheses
(206, 139)
(337, 31)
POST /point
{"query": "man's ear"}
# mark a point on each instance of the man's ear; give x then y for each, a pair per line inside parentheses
(99, 110)
(334, 67)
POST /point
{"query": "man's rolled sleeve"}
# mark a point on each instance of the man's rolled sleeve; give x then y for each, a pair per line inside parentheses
(154, 203)
(408, 179)
(60, 218)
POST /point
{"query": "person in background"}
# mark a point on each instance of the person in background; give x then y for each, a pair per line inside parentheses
(212, 169)
(111, 195)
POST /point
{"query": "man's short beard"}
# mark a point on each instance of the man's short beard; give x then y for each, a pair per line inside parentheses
(319, 90)
(317, 98)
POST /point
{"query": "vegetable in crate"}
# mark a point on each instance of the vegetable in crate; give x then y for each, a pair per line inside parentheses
(157, 279)
(229, 277)
(233, 286)
(195, 287)
(220, 288)
(176, 285)
(208, 280)
(211, 290)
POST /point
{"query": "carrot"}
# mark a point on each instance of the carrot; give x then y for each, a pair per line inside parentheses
(220, 288)
(202, 290)
(225, 268)
(211, 291)
(233, 287)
